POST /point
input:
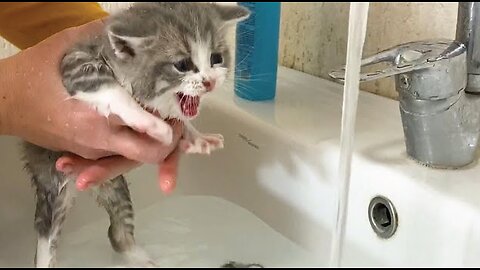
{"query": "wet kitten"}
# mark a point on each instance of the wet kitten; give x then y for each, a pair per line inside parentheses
(159, 56)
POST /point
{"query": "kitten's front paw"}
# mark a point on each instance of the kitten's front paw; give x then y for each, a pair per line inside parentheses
(161, 131)
(204, 144)
(155, 129)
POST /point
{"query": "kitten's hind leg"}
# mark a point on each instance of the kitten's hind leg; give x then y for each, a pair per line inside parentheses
(114, 196)
(54, 198)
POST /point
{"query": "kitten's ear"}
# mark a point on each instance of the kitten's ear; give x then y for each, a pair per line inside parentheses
(232, 14)
(127, 46)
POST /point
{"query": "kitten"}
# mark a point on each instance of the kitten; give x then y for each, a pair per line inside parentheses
(154, 60)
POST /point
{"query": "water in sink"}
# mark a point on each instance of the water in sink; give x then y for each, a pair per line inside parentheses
(189, 231)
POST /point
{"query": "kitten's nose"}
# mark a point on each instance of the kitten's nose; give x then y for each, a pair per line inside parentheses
(209, 84)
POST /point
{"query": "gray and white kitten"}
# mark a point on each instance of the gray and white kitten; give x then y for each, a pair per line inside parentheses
(154, 60)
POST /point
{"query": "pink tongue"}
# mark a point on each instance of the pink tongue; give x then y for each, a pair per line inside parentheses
(189, 105)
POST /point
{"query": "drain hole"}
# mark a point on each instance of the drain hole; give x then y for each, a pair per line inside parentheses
(383, 217)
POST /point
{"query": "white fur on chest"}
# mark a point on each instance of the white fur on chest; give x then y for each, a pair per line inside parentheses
(116, 100)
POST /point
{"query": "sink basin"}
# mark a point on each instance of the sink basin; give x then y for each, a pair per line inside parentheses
(269, 196)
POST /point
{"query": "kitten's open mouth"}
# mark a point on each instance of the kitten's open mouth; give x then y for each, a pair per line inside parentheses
(188, 104)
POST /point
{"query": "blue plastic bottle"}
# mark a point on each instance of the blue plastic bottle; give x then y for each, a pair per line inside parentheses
(256, 57)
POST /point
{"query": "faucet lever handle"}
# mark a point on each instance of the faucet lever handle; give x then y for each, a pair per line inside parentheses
(405, 58)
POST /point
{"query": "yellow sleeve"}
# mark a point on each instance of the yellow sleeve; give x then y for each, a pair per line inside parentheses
(26, 24)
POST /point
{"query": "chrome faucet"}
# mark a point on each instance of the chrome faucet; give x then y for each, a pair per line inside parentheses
(438, 83)
(468, 32)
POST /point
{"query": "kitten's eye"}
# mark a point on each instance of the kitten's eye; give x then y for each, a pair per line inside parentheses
(216, 58)
(185, 65)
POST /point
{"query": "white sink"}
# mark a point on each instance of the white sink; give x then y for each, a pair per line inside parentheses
(268, 197)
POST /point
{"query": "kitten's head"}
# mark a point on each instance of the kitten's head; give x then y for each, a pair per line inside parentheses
(173, 53)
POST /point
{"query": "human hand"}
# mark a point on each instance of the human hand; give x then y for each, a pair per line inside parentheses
(39, 111)
(93, 172)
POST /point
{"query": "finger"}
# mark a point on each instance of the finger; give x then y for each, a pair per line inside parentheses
(91, 172)
(167, 172)
(141, 147)
(91, 154)
(96, 172)
(71, 164)
(65, 164)
(137, 146)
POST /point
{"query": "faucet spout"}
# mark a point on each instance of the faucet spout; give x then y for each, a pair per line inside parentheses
(468, 33)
